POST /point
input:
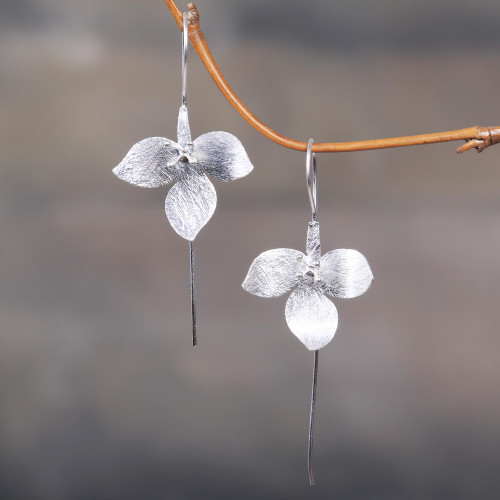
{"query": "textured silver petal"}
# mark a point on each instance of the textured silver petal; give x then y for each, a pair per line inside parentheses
(146, 164)
(274, 272)
(311, 317)
(222, 155)
(345, 273)
(313, 244)
(183, 131)
(190, 203)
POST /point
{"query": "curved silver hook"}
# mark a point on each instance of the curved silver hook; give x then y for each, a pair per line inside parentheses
(185, 42)
(311, 179)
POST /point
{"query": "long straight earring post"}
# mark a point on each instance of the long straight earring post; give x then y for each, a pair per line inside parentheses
(311, 418)
(193, 302)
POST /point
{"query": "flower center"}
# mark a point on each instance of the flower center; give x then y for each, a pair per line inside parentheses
(184, 154)
(310, 273)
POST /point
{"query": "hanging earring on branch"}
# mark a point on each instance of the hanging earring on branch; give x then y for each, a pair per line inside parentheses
(157, 161)
(309, 314)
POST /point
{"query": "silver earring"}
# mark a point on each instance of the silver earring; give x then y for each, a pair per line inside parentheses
(157, 161)
(310, 315)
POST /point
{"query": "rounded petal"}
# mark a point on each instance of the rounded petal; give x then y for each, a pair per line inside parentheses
(190, 203)
(345, 273)
(274, 272)
(222, 155)
(146, 164)
(311, 317)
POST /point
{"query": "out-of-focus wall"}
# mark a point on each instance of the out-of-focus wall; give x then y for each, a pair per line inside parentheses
(101, 395)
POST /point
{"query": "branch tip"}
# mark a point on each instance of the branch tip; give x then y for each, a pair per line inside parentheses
(193, 14)
(486, 136)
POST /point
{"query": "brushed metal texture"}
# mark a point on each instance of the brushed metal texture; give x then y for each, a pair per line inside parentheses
(275, 272)
(313, 244)
(183, 130)
(190, 203)
(310, 315)
(222, 155)
(345, 273)
(146, 164)
(158, 161)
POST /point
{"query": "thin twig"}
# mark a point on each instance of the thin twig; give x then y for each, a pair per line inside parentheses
(477, 137)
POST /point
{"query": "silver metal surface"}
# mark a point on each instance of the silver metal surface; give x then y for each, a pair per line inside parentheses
(313, 245)
(222, 155)
(157, 161)
(183, 130)
(275, 272)
(345, 273)
(190, 203)
(146, 164)
(310, 315)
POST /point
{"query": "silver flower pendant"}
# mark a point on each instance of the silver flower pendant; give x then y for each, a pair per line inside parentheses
(157, 161)
(191, 201)
(310, 315)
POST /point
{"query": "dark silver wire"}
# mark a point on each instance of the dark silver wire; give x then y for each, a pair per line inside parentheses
(311, 418)
(185, 43)
(311, 179)
(193, 303)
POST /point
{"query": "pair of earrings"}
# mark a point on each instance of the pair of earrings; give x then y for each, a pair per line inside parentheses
(191, 202)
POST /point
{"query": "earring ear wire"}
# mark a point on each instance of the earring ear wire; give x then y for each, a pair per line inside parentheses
(312, 190)
(184, 53)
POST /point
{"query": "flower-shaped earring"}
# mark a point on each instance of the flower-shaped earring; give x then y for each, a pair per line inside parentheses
(157, 161)
(310, 315)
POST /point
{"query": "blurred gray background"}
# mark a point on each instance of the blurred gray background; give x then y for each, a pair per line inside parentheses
(101, 395)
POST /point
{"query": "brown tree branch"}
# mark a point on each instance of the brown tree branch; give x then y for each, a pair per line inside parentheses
(476, 137)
